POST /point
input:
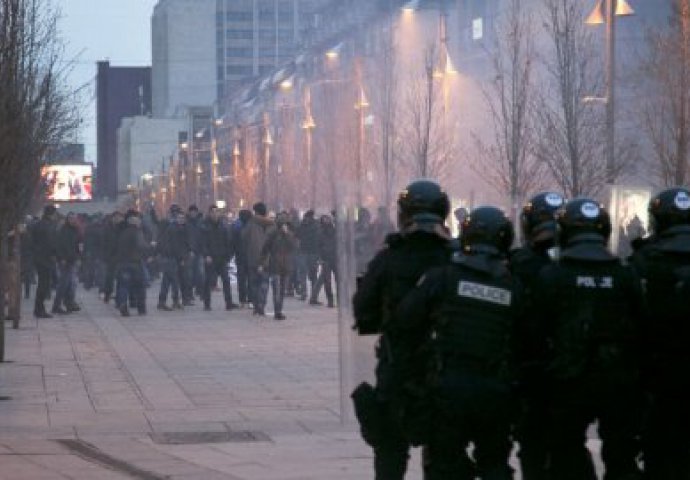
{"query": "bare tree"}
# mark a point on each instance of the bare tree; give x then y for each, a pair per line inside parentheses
(36, 111)
(384, 100)
(429, 143)
(570, 130)
(506, 160)
(666, 97)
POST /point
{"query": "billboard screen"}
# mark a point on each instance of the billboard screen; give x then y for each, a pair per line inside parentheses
(67, 183)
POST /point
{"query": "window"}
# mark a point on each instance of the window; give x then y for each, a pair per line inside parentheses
(240, 52)
(238, 70)
(477, 29)
(239, 16)
(265, 34)
(240, 34)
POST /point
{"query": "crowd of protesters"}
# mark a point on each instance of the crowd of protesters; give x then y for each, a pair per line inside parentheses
(193, 254)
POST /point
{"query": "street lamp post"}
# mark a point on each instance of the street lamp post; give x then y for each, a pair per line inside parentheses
(308, 126)
(267, 142)
(611, 10)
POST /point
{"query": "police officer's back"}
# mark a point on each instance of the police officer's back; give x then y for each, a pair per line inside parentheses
(663, 261)
(422, 242)
(538, 222)
(592, 311)
(473, 305)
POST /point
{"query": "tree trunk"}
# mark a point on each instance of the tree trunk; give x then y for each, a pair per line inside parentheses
(3, 287)
(14, 309)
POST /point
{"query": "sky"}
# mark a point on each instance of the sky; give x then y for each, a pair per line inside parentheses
(93, 30)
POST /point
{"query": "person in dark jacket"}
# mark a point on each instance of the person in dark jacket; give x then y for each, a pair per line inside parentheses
(113, 228)
(591, 311)
(663, 261)
(243, 288)
(470, 309)
(132, 251)
(43, 252)
(26, 260)
(277, 259)
(67, 257)
(308, 255)
(254, 237)
(93, 253)
(195, 266)
(216, 250)
(327, 245)
(539, 227)
(175, 251)
(423, 242)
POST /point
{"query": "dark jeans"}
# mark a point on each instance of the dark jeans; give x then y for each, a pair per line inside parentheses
(325, 281)
(278, 286)
(243, 288)
(109, 280)
(258, 284)
(44, 273)
(184, 275)
(170, 281)
(66, 286)
(131, 287)
(195, 273)
(307, 268)
(617, 407)
(473, 409)
(217, 268)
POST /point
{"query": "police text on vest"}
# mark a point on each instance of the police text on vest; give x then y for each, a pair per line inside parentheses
(484, 293)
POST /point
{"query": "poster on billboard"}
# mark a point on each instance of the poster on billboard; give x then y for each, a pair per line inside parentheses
(67, 183)
(629, 216)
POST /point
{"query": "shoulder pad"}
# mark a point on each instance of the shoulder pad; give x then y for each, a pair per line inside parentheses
(394, 240)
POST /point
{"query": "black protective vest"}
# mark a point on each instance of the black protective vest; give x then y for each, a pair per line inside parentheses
(593, 315)
(474, 322)
(665, 268)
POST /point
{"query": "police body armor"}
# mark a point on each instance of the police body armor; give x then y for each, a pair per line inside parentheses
(665, 267)
(597, 330)
(475, 324)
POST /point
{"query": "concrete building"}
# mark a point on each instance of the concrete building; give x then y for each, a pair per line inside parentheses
(120, 92)
(143, 145)
(257, 36)
(183, 39)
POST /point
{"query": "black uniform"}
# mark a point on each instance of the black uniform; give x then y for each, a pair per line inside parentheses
(217, 249)
(664, 264)
(591, 310)
(43, 252)
(389, 277)
(473, 304)
(132, 250)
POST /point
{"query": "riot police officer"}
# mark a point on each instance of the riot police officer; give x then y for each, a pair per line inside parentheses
(591, 309)
(473, 305)
(422, 242)
(663, 261)
(538, 222)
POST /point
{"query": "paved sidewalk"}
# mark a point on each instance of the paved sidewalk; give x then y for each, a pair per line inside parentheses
(179, 395)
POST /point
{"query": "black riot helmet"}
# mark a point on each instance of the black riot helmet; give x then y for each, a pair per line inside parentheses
(583, 217)
(538, 218)
(669, 209)
(422, 200)
(487, 229)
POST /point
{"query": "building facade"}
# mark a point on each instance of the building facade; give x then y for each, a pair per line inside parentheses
(255, 37)
(183, 41)
(120, 92)
(144, 146)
